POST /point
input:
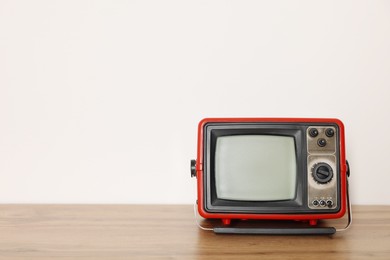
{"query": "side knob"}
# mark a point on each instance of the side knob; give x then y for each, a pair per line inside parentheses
(322, 173)
(193, 168)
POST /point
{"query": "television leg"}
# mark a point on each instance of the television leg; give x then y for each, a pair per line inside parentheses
(226, 221)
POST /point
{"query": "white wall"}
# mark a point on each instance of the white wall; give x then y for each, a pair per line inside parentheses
(100, 100)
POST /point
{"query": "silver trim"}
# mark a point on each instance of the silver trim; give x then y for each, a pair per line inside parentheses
(197, 222)
(349, 211)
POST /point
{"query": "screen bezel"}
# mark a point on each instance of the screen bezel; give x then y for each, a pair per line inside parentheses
(299, 204)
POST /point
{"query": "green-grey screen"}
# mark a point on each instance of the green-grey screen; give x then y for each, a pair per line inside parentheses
(255, 167)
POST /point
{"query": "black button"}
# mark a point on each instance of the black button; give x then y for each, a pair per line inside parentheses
(321, 142)
(329, 132)
(313, 132)
(315, 203)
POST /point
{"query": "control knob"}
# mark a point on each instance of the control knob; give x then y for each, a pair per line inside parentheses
(322, 173)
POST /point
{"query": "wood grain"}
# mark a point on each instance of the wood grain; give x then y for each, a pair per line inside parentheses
(170, 232)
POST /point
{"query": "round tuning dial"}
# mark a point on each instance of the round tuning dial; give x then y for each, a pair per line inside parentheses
(322, 173)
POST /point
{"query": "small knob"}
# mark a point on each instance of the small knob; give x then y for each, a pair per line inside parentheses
(329, 203)
(321, 142)
(193, 168)
(329, 132)
(322, 173)
(313, 132)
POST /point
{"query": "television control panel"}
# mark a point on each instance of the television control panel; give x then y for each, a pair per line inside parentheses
(322, 170)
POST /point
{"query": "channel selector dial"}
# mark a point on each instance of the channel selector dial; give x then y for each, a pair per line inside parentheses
(322, 173)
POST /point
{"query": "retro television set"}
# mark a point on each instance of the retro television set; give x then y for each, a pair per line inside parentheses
(271, 169)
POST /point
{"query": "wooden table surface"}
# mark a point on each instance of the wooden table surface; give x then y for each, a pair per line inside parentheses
(170, 232)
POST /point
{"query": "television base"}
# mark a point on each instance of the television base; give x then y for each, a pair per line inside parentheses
(275, 231)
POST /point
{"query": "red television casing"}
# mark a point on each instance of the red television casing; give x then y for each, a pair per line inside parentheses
(312, 218)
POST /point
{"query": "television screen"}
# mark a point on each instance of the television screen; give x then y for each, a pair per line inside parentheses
(255, 168)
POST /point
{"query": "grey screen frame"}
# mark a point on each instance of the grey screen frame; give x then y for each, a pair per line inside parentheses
(213, 204)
